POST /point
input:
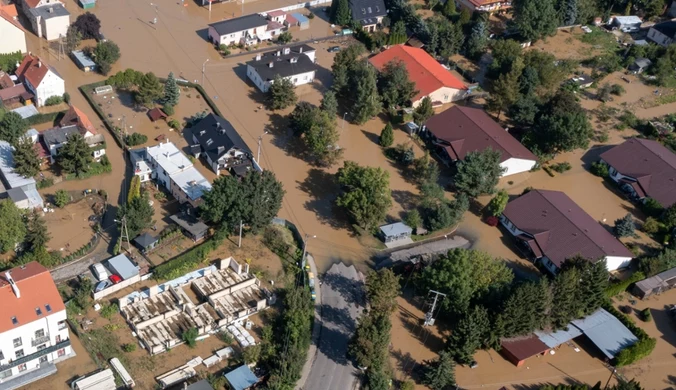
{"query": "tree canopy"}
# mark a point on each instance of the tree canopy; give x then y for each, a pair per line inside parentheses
(139, 214)
(149, 90)
(105, 55)
(439, 374)
(281, 93)
(12, 228)
(395, 86)
(340, 13)
(75, 156)
(12, 127)
(366, 195)
(366, 102)
(171, 91)
(479, 172)
(88, 25)
(423, 112)
(535, 19)
(26, 158)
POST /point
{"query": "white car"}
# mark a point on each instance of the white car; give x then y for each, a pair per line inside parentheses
(100, 272)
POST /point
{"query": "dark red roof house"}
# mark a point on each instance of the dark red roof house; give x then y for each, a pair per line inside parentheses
(518, 349)
(156, 114)
(460, 130)
(552, 228)
(644, 169)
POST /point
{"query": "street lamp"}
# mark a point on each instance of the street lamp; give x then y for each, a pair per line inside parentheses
(302, 259)
(260, 140)
(204, 68)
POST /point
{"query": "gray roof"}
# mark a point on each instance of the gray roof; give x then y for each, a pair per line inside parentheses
(82, 59)
(190, 223)
(606, 332)
(554, 339)
(122, 266)
(242, 23)
(50, 11)
(660, 280)
(367, 12)
(58, 135)
(395, 229)
(217, 136)
(201, 385)
(241, 378)
(145, 240)
(284, 65)
(642, 62)
(26, 111)
(17, 194)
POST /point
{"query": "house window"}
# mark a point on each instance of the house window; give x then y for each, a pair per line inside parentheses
(41, 347)
(49, 308)
(62, 325)
(38, 311)
(61, 352)
(19, 353)
(22, 367)
(17, 342)
(39, 333)
(43, 359)
(5, 374)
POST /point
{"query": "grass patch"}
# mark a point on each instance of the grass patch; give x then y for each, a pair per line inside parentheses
(666, 99)
(600, 39)
(103, 345)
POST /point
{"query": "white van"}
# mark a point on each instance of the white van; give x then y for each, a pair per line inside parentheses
(100, 272)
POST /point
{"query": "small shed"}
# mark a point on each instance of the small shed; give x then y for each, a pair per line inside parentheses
(241, 378)
(88, 4)
(302, 21)
(27, 111)
(156, 114)
(627, 23)
(83, 61)
(640, 65)
(191, 226)
(123, 267)
(582, 80)
(146, 242)
(395, 232)
(656, 284)
(518, 349)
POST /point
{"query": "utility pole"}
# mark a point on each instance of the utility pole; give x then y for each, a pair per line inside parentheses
(204, 65)
(239, 245)
(343, 127)
(302, 259)
(609, 378)
(124, 233)
(429, 316)
(260, 140)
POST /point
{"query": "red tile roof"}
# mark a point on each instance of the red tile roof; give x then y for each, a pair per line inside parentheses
(278, 12)
(650, 163)
(32, 3)
(5, 80)
(10, 10)
(32, 69)
(37, 289)
(524, 347)
(561, 229)
(75, 117)
(427, 74)
(465, 129)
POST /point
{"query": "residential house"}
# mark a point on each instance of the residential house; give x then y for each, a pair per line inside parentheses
(50, 21)
(33, 331)
(663, 33)
(20, 189)
(551, 228)
(639, 65)
(56, 137)
(293, 63)
(75, 117)
(278, 16)
(221, 146)
(40, 79)
(246, 30)
(83, 61)
(627, 24)
(170, 168)
(430, 78)
(395, 232)
(582, 81)
(13, 35)
(368, 13)
(191, 226)
(460, 130)
(241, 378)
(644, 169)
(489, 6)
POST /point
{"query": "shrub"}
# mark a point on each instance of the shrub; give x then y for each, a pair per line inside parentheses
(61, 198)
(651, 226)
(174, 124)
(310, 15)
(108, 311)
(407, 385)
(168, 109)
(44, 183)
(617, 89)
(619, 287)
(136, 139)
(561, 167)
(225, 337)
(53, 100)
(652, 207)
(278, 239)
(492, 221)
(66, 97)
(645, 315)
(160, 196)
(599, 169)
(638, 351)
(190, 337)
(186, 262)
(131, 347)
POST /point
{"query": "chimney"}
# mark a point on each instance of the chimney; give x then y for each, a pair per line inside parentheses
(271, 64)
(279, 53)
(39, 63)
(293, 60)
(287, 50)
(13, 284)
(300, 49)
(51, 10)
(258, 57)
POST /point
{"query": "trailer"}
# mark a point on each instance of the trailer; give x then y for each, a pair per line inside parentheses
(122, 372)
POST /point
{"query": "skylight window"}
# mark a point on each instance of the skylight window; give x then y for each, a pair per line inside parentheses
(15, 321)
(210, 141)
(38, 311)
(49, 308)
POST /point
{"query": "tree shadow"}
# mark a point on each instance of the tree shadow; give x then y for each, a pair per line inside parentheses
(406, 199)
(339, 318)
(664, 323)
(322, 188)
(375, 138)
(405, 362)
(348, 289)
(594, 154)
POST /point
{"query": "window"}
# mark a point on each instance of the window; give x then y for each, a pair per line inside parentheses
(58, 338)
(14, 321)
(5, 374)
(22, 367)
(61, 352)
(48, 308)
(39, 333)
(38, 311)
(62, 325)
(17, 342)
(19, 353)
(43, 359)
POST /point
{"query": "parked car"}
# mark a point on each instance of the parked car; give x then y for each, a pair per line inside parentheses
(333, 49)
(115, 279)
(100, 272)
(100, 286)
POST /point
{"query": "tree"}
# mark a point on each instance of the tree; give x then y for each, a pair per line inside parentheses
(497, 205)
(363, 84)
(366, 195)
(592, 284)
(37, 235)
(504, 53)
(479, 172)
(439, 374)
(668, 217)
(478, 40)
(105, 55)
(535, 19)
(469, 335)
(341, 68)
(505, 90)
(568, 12)
(394, 85)
(254, 199)
(73, 38)
(425, 169)
(138, 213)
(413, 219)
(566, 305)
(284, 37)
(370, 341)
(386, 136)
(302, 117)
(134, 189)
(340, 12)
(61, 198)
(465, 16)
(653, 8)
(171, 91)
(12, 127)
(75, 156)
(281, 93)
(321, 139)
(12, 228)
(329, 104)
(149, 90)
(525, 309)
(529, 81)
(26, 159)
(189, 336)
(382, 290)
(423, 112)
(449, 9)
(524, 110)
(88, 25)
(625, 227)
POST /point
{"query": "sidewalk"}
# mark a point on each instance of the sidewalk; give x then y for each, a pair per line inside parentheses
(316, 327)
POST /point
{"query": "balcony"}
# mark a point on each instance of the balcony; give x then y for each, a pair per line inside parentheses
(40, 340)
(36, 355)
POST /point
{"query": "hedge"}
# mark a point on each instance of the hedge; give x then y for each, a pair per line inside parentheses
(615, 289)
(44, 118)
(638, 351)
(95, 168)
(186, 262)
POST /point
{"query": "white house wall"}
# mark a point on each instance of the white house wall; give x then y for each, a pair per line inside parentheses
(615, 262)
(264, 85)
(444, 95)
(54, 28)
(51, 85)
(236, 37)
(13, 38)
(517, 165)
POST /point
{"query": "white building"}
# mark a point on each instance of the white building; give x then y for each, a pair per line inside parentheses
(246, 30)
(170, 168)
(40, 78)
(295, 63)
(663, 33)
(33, 330)
(50, 21)
(13, 35)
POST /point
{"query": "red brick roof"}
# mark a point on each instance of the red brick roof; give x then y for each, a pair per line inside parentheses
(561, 228)
(75, 117)
(32, 69)
(467, 129)
(37, 289)
(427, 74)
(650, 163)
(156, 114)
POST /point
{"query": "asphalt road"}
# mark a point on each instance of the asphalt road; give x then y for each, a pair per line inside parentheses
(342, 302)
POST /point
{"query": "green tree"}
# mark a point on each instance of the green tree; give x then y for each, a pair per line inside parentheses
(439, 374)
(12, 127)
(593, 282)
(26, 159)
(465, 16)
(524, 110)
(302, 117)
(550, 71)
(425, 169)
(149, 90)
(61, 198)
(394, 85)
(340, 69)
(423, 112)
(382, 290)
(282, 93)
(566, 305)
(139, 214)
(340, 12)
(505, 90)
(370, 340)
(497, 205)
(12, 228)
(105, 55)
(75, 156)
(284, 37)
(134, 189)
(625, 227)
(478, 40)
(479, 172)
(668, 217)
(255, 199)
(448, 9)
(535, 19)
(469, 335)
(366, 195)
(88, 25)
(171, 91)
(189, 337)
(504, 53)
(526, 308)
(363, 84)
(386, 136)
(321, 139)
(329, 104)
(73, 38)
(653, 8)
(37, 235)
(413, 219)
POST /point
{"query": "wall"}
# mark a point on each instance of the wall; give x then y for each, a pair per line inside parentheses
(13, 38)
(51, 85)
(444, 95)
(52, 28)
(298, 6)
(116, 287)
(517, 165)
(616, 262)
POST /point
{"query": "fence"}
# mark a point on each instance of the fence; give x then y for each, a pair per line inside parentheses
(294, 230)
(299, 6)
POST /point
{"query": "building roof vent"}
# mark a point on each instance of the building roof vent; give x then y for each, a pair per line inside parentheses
(258, 57)
(271, 64)
(287, 50)
(294, 60)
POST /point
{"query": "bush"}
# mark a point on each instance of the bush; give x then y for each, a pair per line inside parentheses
(174, 124)
(650, 226)
(278, 239)
(645, 315)
(616, 288)
(136, 139)
(66, 97)
(61, 198)
(168, 109)
(53, 100)
(599, 169)
(561, 167)
(652, 207)
(108, 311)
(131, 347)
(44, 118)
(617, 89)
(189, 337)
(186, 262)
(638, 351)
(225, 337)
(284, 37)
(44, 183)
